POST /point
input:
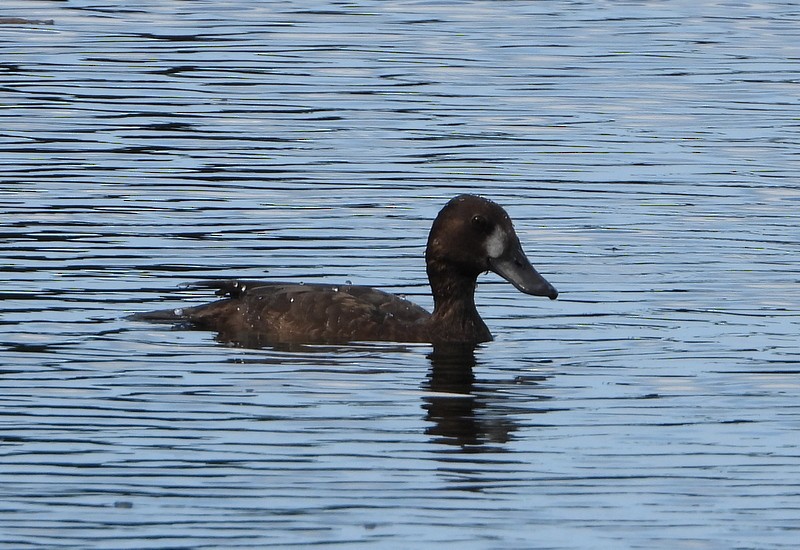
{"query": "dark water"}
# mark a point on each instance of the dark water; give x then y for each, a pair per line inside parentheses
(647, 151)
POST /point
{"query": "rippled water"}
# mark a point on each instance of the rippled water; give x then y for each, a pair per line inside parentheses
(647, 152)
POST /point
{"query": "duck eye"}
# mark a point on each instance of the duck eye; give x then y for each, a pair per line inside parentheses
(481, 223)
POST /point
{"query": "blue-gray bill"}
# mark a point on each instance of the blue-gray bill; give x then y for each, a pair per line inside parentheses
(514, 267)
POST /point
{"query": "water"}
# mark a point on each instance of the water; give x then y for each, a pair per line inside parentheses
(646, 151)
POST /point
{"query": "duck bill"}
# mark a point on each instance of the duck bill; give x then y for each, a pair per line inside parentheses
(514, 267)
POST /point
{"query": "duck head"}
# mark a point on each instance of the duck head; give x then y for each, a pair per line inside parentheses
(472, 235)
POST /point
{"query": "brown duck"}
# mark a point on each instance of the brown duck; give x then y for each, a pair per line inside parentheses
(470, 235)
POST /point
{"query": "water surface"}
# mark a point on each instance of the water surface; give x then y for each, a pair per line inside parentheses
(646, 151)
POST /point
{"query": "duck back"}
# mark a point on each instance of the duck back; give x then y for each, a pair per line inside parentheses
(308, 313)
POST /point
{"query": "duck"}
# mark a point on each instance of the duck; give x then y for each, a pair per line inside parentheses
(471, 235)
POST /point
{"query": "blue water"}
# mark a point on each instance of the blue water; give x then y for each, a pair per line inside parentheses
(647, 153)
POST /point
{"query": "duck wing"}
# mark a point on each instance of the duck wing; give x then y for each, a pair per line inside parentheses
(260, 312)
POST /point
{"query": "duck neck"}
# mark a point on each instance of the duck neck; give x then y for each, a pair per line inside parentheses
(455, 317)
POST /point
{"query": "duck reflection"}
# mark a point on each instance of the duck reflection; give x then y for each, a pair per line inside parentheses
(460, 413)
(475, 418)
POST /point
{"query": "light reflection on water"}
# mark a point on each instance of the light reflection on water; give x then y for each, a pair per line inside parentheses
(645, 152)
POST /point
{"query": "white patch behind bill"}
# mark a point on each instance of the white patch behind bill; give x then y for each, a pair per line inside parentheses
(496, 243)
